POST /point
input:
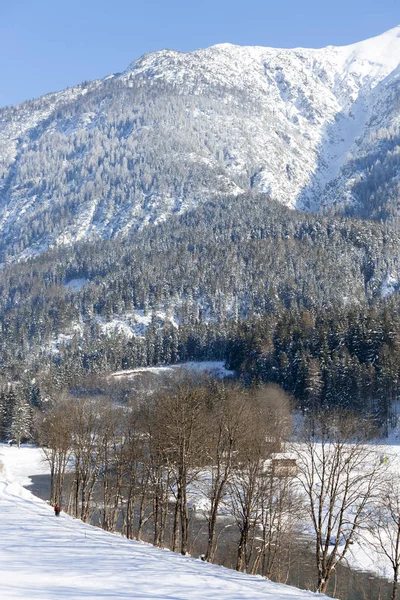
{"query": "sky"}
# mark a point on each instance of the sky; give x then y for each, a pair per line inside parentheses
(48, 45)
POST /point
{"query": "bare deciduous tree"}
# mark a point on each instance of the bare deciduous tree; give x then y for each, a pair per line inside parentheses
(267, 422)
(181, 414)
(54, 430)
(227, 427)
(339, 474)
(111, 457)
(133, 457)
(281, 510)
(86, 424)
(385, 528)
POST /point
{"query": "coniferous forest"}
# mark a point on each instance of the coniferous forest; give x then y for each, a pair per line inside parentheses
(297, 299)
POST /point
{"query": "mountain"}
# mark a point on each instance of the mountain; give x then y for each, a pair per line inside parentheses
(314, 129)
(232, 204)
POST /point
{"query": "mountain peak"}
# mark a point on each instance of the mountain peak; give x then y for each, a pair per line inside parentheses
(383, 49)
(175, 129)
(372, 59)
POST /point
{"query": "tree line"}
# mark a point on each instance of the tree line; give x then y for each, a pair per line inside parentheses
(195, 449)
(139, 464)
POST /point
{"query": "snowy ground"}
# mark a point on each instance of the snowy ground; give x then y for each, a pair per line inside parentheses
(45, 558)
(216, 368)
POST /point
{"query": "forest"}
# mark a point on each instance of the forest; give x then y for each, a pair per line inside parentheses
(305, 301)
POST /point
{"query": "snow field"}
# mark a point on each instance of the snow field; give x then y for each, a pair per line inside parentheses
(47, 558)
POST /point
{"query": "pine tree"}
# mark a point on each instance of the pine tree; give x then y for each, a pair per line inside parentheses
(21, 423)
(7, 406)
(313, 385)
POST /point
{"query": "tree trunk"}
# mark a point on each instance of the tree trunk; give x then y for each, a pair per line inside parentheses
(322, 586)
(130, 516)
(164, 511)
(141, 516)
(212, 522)
(156, 509)
(52, 484)
(184, 522)
(395, 587)
(176, 521)
(242, 548)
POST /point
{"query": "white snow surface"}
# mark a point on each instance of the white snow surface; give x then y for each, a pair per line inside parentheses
(216, 368)
(133, 324)
(389, 285)
(75, 285)
(363, 554)
(47, 558)
(20, 464)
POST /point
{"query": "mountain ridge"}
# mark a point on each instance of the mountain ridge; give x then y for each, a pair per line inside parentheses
(175, 129)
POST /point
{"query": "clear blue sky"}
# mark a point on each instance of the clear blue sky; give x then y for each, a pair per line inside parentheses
(47, 45)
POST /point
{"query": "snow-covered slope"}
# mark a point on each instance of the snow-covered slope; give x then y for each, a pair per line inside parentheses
(314, 104)
(45, 558)
(300, 125)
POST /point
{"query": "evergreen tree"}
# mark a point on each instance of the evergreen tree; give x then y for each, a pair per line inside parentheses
(21, 423)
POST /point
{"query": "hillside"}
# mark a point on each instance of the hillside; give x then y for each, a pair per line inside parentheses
(231, 204)
(266, 289)
(46, 558)
(308, 128)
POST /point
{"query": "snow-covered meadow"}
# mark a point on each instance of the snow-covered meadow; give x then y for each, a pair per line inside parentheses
(45, 558)
(214, 368)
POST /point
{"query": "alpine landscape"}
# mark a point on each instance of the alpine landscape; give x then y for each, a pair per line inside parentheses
(200, 328)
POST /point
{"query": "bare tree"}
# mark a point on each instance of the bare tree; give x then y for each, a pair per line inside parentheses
(281, 509)
(385, 528)
(227, 427)
(111, 456)
(339, 474)
(267, 421)
(181, 414)
(246, 493)
(133, 457)
(160, 469)
(54, 430)
(86, 425)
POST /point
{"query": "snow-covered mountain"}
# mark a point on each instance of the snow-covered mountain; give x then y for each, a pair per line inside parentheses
(308, 127)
